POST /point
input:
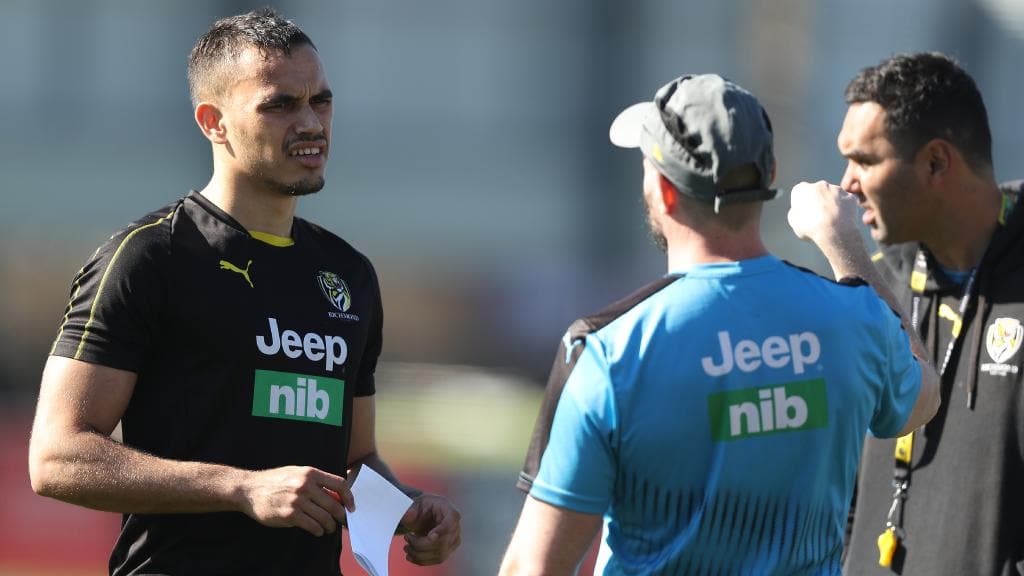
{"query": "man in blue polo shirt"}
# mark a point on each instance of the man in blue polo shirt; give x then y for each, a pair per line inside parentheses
(712, 421)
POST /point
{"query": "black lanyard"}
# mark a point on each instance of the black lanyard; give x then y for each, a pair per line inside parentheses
(917, 285)
(889, 540)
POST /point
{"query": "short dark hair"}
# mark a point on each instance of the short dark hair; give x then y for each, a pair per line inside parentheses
(925, 96)
(228, 37)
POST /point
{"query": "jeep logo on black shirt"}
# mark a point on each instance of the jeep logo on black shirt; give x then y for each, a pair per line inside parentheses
(331, 349)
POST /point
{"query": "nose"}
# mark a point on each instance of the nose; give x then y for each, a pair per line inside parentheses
(849, 180)
(308, 121)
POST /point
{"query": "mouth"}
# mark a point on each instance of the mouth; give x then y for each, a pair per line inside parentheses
(310, 151)
(308, 155)
(868, 216)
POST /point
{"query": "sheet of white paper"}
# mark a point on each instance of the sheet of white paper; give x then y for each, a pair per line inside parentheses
(379, 507)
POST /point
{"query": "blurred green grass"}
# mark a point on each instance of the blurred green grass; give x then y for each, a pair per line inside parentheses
(455, 418)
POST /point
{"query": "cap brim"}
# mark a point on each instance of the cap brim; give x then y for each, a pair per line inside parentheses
(627, 126)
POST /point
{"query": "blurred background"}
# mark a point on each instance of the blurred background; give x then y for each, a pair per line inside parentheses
(470, 162)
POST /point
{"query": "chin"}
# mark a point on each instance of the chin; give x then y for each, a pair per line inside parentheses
(303, 191)
(887, 237)
(303, 187)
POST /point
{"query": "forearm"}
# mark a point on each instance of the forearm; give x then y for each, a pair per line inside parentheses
(850, 258)
(373, 460)
(548, 540)
(90, 469)
(826, 215)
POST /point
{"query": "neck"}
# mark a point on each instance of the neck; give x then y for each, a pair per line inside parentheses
(255, 208)
(689, 248)
(959, 243)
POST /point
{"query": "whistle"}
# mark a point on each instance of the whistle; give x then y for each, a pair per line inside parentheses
(887, 544)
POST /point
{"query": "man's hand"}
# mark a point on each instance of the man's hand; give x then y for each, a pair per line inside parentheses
(827, 215)
(297, 496)
(824, 214)
(432, 530)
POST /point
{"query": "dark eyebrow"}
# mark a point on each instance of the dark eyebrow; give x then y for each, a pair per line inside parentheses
(323, 95)
(283, 99)
(859, 156)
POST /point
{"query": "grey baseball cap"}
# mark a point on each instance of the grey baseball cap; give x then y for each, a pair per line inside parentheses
(698, 129)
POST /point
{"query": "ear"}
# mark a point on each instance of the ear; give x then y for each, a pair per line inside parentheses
(936, 158)
(211, 123)
(668, 194)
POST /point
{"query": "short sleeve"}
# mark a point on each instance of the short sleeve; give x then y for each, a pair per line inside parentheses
(901, 379)
(117, 298)
(577, 470)
(365, 381)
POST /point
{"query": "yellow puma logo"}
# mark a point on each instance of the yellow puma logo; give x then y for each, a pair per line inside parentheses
(225, 265)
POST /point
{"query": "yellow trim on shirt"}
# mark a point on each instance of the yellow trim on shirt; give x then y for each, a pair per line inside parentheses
(1006, 207)
(71, 303)
(272, 239)
(103, 280)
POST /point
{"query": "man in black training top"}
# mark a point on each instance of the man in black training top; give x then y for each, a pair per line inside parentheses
(919, 161)
(235, 343)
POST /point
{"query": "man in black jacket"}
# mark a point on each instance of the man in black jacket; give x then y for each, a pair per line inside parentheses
(945, 499)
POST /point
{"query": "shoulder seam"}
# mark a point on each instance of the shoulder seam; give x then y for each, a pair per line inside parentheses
(848, 281)
(565, 362)
(106, 274)
(594, 322)
(76, 289)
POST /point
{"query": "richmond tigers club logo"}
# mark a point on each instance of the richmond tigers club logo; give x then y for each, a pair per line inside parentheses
(338, 294)
(335, 290)
(1003, 339)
